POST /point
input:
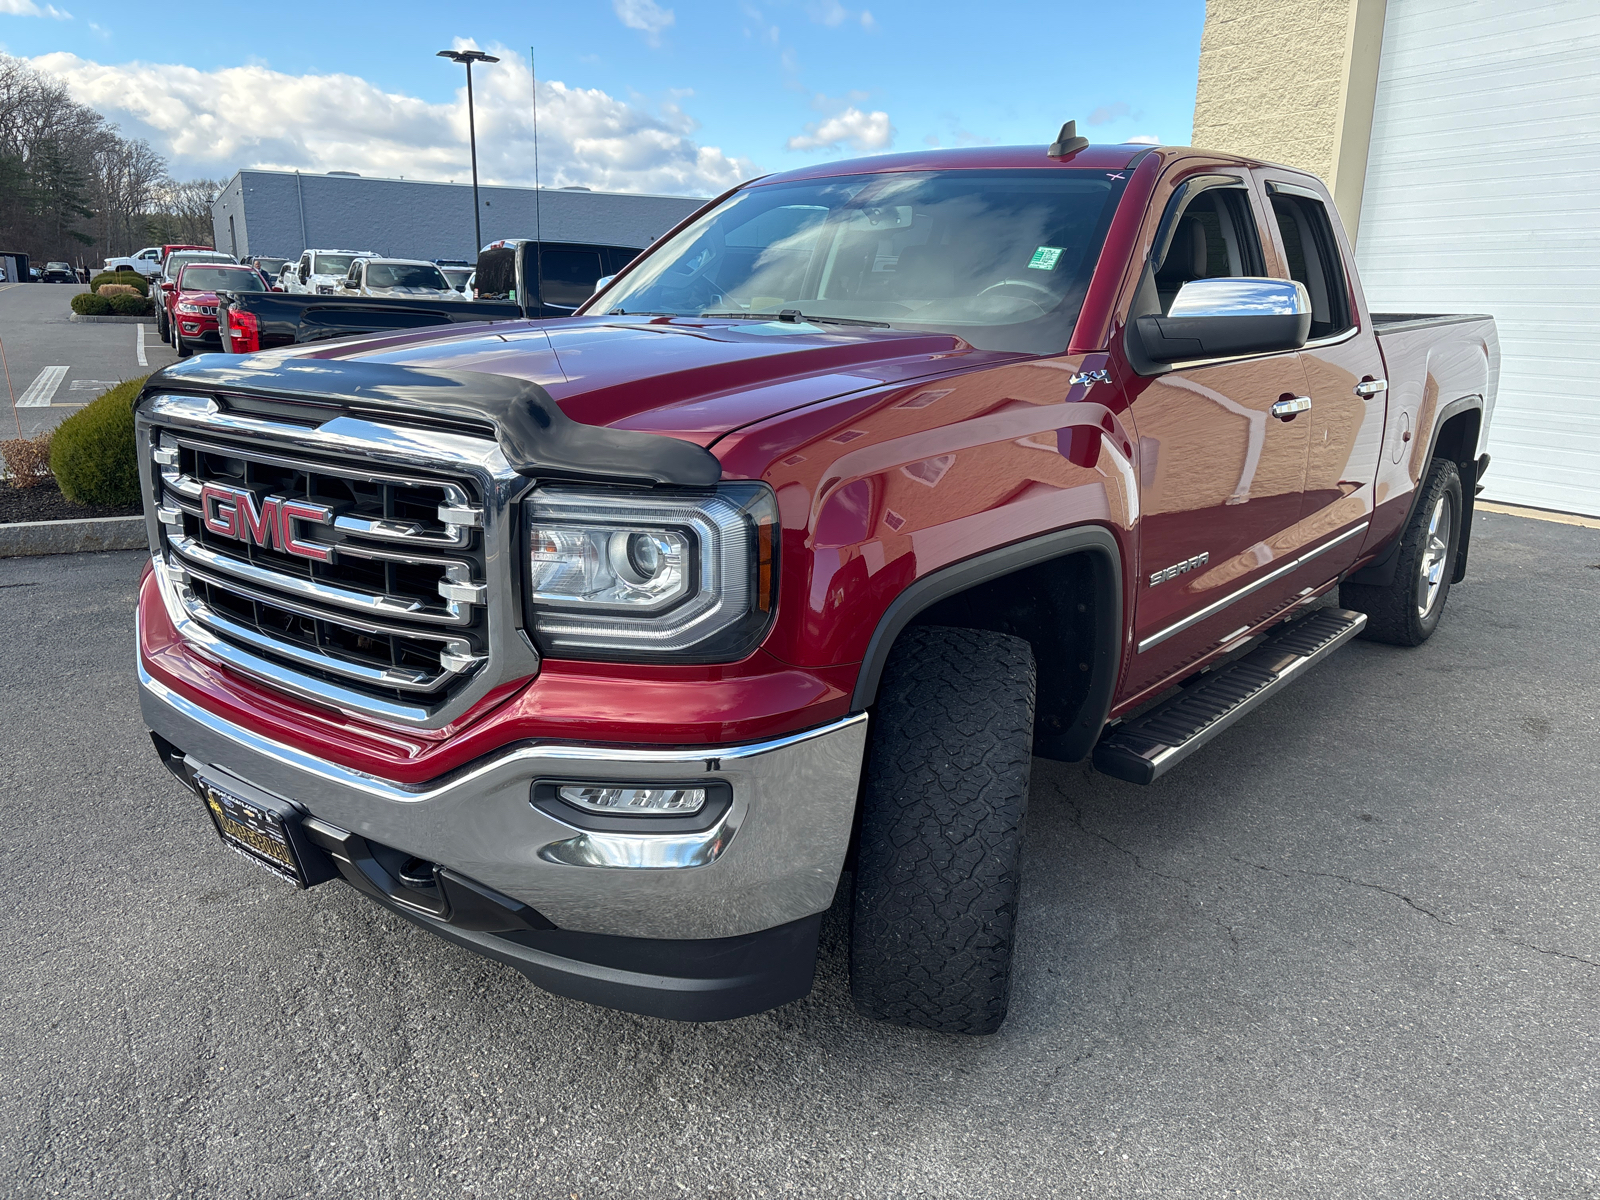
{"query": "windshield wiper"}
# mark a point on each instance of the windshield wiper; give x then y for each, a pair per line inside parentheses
(795, 316)
(635, 312)
(800, 316)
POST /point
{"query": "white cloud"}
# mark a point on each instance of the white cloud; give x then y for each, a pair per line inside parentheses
(1142, 139)
(28, 8)
(859, 130)
(1109, 112)
(648, 17)
(214, 122)
(833, 14)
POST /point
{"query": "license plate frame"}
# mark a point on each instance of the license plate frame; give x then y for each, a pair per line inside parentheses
(264, 829)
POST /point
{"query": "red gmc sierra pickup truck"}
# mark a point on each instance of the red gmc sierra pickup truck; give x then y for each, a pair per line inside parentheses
(609, 647)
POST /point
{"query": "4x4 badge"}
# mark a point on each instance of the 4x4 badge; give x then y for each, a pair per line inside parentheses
(1176, 569)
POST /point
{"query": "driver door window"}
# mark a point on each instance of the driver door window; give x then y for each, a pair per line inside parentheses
(1215, 238)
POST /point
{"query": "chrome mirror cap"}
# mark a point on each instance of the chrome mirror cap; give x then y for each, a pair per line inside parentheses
(1241, 298)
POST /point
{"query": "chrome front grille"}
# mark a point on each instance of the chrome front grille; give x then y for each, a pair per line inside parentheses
(362, 585)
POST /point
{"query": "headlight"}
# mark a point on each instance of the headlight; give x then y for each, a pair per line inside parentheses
(642, 575)
(187, 306)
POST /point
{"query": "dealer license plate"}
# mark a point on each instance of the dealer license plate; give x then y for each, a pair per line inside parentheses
(255, 831)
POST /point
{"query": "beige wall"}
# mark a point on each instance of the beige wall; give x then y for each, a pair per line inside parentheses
(1293, 81)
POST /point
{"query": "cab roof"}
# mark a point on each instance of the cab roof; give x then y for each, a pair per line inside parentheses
(976, 158)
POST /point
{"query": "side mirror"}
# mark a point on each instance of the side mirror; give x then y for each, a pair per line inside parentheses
(275, 288)
(169, 287)
(347, 283)
(600, 284)
(1222, 318)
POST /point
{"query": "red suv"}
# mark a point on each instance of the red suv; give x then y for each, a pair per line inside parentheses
(193, 319)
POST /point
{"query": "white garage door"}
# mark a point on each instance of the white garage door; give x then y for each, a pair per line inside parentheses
(1483, 195)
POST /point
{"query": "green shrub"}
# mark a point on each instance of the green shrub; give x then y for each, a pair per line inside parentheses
(129, 277)
(92, 454)
(87, 304)
(130, 305)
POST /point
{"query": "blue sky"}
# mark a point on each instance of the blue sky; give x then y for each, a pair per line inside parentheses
(648, 95)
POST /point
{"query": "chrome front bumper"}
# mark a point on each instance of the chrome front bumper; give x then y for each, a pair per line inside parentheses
(774, 856)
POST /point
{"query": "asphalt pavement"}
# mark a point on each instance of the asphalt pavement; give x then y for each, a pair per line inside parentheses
(40, 339)
(1349, 949)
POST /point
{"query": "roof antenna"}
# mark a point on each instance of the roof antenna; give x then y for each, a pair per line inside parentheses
(1067, 142)
(538, 228)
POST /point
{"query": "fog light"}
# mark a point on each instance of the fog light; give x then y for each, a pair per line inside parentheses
(600, 799)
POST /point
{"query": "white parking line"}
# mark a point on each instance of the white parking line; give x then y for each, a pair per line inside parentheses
(139, 344)
(43, 389)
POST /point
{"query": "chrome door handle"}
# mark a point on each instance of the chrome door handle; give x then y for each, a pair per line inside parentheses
(1288, 408)
(1371, 387)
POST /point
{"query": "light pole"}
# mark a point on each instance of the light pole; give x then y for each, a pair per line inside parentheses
(469, 57)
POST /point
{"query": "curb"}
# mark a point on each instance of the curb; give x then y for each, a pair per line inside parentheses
(150, 320)
(72, 537)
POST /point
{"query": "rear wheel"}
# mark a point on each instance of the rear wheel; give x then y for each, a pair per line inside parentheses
(938, 869)
(1407, 611)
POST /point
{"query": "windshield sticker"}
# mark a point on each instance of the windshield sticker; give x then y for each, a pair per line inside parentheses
(1045, 258)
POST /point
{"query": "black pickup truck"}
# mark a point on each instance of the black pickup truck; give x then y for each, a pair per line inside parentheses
(565, 273)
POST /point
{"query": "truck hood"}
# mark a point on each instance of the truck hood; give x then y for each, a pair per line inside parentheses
(694, 378)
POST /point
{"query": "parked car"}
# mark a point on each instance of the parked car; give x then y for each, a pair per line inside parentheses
(319, 271)
(566, 273)
(397, 278)
(458, 277)
(193, 312)
(164, 290)
(269, 265)
(262, 322)
(58, 272)
(147, 262)
(790, 550)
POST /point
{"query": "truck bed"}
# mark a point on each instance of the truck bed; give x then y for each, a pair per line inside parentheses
(1383, 323)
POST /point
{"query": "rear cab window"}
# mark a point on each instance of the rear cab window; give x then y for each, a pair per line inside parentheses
(1311, 256)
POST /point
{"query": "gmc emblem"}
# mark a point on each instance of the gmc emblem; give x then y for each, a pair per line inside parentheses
(235, 513)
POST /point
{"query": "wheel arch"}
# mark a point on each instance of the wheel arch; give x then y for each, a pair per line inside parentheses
(1087, 558)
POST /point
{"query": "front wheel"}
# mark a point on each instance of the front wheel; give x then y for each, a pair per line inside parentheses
(1407, 611)
(939, 864)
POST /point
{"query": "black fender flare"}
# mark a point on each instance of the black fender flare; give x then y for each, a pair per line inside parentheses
(1096, 541)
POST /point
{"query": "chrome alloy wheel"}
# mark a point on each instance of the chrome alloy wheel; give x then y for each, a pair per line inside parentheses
(1434, 557)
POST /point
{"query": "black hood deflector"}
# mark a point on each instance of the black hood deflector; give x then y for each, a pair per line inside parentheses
(537, 438)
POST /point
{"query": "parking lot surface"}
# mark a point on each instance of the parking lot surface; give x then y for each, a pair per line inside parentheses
(40, 339)
(1350, 948)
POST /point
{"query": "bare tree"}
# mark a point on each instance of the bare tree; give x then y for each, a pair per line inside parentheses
(71, 187)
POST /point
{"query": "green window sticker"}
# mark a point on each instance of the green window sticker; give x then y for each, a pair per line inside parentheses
(1045, 258)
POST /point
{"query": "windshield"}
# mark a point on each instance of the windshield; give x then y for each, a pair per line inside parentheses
(214, 279)
(57, 266)
(1000, 258)
(457, 275)
(270, 265)
(331, 264)
(408, 275)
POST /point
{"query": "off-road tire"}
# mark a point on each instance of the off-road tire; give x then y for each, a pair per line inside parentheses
(938, 865)
(1393, 614)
